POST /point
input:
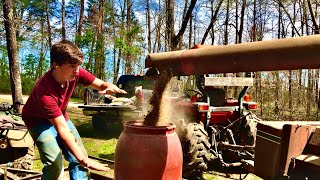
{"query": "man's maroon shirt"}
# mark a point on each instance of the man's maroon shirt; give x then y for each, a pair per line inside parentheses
(49, 100)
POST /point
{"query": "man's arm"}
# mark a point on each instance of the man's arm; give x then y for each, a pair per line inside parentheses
(106, 87)
(69, 140)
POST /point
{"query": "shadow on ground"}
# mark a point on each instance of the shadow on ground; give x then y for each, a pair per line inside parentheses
(235, 173)
(84, 126)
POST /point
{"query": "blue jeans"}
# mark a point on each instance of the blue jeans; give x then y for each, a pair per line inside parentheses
(51, 148)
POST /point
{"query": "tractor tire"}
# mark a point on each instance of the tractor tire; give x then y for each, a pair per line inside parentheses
(249, 130)
(195, 146)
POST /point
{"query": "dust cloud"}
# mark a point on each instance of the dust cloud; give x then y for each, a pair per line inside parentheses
(164, 108)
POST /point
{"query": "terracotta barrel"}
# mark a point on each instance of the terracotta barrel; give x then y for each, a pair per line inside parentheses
(148, 152)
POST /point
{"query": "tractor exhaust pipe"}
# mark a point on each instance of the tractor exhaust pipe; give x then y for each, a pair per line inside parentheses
(268, 55)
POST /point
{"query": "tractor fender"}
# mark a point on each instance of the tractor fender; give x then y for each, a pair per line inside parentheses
(19, 138)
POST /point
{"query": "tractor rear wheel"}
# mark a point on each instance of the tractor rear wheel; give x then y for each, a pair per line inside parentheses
(195, 146)
(249, 131)
(22, 157)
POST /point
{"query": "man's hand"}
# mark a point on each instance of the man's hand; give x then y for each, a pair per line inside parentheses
(94, 165)
(106, 87)
(111, 89)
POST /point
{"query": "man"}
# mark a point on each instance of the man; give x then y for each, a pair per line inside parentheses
(47, 120)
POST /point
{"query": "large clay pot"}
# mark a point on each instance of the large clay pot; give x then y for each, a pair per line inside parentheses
(148, 153)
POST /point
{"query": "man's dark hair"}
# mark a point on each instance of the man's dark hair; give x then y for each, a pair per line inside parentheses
(64, 52)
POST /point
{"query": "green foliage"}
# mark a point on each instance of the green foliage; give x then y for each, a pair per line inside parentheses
(131, 42)
(30, 65)
(28, 74)
(4, 71)
(86, 39)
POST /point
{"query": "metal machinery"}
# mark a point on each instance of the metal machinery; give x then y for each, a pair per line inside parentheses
(16, 145)
(122, 107)
(278, 149)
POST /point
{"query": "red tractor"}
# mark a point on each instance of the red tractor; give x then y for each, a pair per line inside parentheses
(224, 129)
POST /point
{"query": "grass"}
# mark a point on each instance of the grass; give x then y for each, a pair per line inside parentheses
(78, 100)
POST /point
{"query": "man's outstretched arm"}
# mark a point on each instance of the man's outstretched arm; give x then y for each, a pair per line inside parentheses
(106, 87)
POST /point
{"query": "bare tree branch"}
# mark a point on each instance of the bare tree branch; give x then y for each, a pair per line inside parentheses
(314, 21)
(214, 18)
(184, 24)
(292, 23)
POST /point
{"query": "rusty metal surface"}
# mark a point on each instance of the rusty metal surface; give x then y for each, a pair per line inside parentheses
(13, 173)
(294, 140)
(267, 151)
(268, 55)
(7, 122)
(277, 143)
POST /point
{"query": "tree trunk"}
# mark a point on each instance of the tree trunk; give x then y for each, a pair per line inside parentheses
(115, 64)
(157, 45)
(305, 14)
(128, 59)
(291, 72)
(149, 26)
(290, 94)
(41, 56)
(79, 30)
(190, 33)
(89, 65)
(309, 92)
(254, 29)
(48, 23)
(15, 78)
(63, 25)
(277, 75)
(170, 21)
(177, 38)
(290, 19)
(226, 35)
(313, 18)
(212, 28)
(237, 21)
(99, 64)
(158, 24)
(213, 20)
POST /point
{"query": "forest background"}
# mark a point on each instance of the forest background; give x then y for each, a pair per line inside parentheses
(116, 36)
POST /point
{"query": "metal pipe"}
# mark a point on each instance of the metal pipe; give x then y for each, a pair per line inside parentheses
(269, 55)
(101, 159)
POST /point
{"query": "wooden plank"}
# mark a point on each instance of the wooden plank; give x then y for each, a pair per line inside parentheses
(228, 81)
(97, 176)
